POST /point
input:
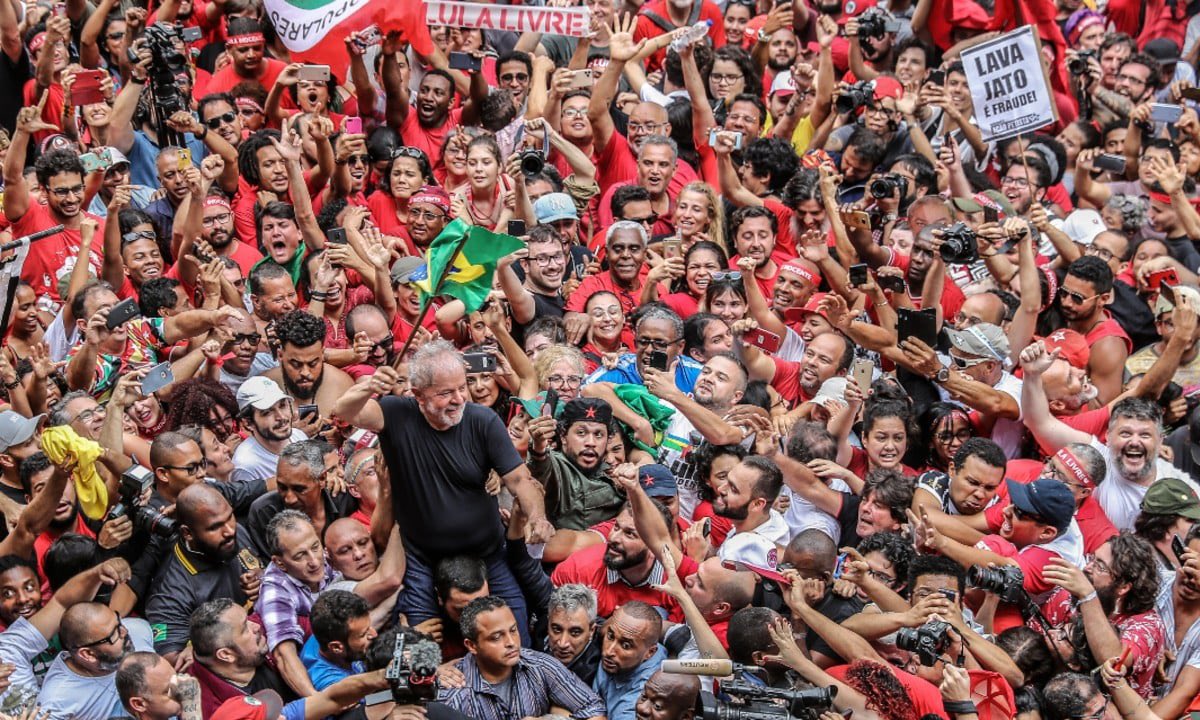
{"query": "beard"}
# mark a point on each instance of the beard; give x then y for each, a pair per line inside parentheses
(300, 393)
(721, 509)
(1107, 597)
(109, 662)
(618, 561)
(220, 238)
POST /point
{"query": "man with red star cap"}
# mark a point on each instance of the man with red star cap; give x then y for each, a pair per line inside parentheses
(578, 495)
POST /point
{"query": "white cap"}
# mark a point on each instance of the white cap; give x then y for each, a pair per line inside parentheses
(751, 551)
(260, 392)
(833, 389)
(783, 83)
(1083, 226)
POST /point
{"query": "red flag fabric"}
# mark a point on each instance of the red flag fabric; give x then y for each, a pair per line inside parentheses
(1146, 20)
(315, 31)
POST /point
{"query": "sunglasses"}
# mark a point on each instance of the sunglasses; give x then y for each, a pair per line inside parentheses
(249, 338)
(408, 152)
(965, 363)
(732, 276)
(215, 122)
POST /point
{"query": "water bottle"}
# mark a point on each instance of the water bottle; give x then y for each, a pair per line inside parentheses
(694, 34)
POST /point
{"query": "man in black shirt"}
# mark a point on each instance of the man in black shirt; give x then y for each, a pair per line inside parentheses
(15, 68)
(440, 451)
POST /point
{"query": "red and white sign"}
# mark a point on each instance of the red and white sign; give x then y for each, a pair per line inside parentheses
(571, 21)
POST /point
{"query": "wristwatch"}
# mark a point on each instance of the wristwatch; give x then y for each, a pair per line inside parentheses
(942, 375)
(763, 36)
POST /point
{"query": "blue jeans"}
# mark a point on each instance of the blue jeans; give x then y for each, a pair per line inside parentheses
(419, 601)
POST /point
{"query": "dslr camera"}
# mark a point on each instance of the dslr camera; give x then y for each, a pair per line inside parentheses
(959, 244)
(927, 642)
(1078, 65)
(856, 96)
(876, 22)
(134, 483)
(412, 672)
(883, 186)
(1006, 582)
(532, 161)
(756, 702)
(167, 65)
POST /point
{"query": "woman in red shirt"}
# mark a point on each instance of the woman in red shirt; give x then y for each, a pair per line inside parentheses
(699, 263)
(605, 336)
(407, 172)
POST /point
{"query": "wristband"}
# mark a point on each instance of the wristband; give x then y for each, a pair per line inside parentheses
(959, 707)
(318, 295)
(1088, 598)
(136, 80)
(12, 385)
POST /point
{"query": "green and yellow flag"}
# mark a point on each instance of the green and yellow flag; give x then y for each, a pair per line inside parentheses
(470, 278)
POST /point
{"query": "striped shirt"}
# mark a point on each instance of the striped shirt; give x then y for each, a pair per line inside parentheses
(538, 682)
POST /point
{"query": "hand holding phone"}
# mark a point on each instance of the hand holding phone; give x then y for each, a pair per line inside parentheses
(354, 126)
(764, 340)
(122, 313)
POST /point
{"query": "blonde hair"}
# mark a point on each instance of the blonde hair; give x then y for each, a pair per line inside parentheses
(716, 213)
(551, 355)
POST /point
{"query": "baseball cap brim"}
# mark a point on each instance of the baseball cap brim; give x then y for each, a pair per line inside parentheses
(268, 399)
(1018, 493)
(28, 428)
(760, 571)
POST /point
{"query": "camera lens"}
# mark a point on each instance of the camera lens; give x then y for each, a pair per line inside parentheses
(532, 162)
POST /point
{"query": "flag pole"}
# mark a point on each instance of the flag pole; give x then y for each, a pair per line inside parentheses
(435, 289)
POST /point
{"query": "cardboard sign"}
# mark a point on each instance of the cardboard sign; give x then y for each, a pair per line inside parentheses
(571, 21)
(1008, 86)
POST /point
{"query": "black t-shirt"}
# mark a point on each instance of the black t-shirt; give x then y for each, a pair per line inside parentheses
(438, 478)
(13, 76)
(847, 519)
(837, 609)
(1133, 314)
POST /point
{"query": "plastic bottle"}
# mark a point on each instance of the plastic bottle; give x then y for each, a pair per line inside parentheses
(694, 34)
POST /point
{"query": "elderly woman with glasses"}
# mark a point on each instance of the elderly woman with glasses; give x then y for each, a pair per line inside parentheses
(561, 368)
(407, 172)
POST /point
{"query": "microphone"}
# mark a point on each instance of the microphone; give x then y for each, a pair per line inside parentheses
(32, 238)
(713, 668)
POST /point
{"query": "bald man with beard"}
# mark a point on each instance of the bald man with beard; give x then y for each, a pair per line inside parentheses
(667, 696)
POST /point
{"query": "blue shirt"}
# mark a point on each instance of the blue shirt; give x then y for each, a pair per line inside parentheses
(141, 197)
(323, 672)
(620, 693)
(143, 157)
(687, 371)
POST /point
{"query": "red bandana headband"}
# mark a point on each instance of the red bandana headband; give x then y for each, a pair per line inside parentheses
(246, 39)
(1166, 199)
(1075, 467)
(37, 42)
(216, 201)
(802, 272)
(245, 102)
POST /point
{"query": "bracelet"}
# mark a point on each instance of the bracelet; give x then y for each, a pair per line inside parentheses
(1088, 598)
(13, 384)
(959, 707)
(318, 294)
(137, 80)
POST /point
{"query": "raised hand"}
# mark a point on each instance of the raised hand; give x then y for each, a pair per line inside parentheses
(1035, 360)
(621, 45)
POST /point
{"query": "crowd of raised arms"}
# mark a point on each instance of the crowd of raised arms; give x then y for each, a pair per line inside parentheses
(780, 368)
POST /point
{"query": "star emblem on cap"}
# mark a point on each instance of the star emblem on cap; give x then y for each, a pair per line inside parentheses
(590, 413)
(1058, 336)
(647, 480)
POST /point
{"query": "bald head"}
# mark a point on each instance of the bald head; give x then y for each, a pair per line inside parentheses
(812, 553)
(83, 623)
(197, 501)
(674, 694)
(735, 587)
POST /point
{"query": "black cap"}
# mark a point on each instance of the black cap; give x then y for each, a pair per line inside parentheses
(585, 410)
(1164, 50)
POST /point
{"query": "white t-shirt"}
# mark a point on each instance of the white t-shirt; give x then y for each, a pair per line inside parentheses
(1008, 433)
(1121, 499)
(774, 529)
(252, 461)
(68, 696)
(802, 515)
(20, 643)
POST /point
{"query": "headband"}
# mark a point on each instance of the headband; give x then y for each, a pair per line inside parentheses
(216, 201)
(1072, 463)
(37, 42)
(1165, 199)
(245, 102)
(802, 272)
(254, 38)
(1052, 283)
(431, 196)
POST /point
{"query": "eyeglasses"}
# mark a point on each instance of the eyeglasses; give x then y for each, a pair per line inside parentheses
(1075, 297)
(962, 320)
(220, 219)
(732, 276)
(1015, 181)
(1097, 564)
(248, 338)
(1102, 253)
(544, 260)
(644, 127)
(643, 342)
(946, 436)
(1131, 79)
(115, 36)
(87, 415)
(249, 112)
(384, 344)
(967, 362)
(887, 580)
(215, 122)
(722, 78)
(76, 190)
(408, 152)
(511, 77)
(192, 468)
(359, 160)
(574, 112)
(112, 637)
(557, 381)
(425, 215)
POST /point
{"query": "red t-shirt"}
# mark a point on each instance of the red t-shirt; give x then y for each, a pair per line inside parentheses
(787, 381)
(785, 239)
(429, 139)
(1093, 523)
(383, 211)
(587, 568)
(226, 78)
(952, 295)
(682, 303)
(1109, 327)
(647, 28)
(1031, 560)
(51, 259)
(719, 527)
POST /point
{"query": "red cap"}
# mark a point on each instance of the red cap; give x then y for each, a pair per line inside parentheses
(1072, 347)
(262, 705)
(888, 87)
(854, 8)
(969, 15)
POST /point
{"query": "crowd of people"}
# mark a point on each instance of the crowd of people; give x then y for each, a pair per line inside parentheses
(794, 369)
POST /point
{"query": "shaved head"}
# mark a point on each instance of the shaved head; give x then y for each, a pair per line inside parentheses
(196, 500)
(668, 696)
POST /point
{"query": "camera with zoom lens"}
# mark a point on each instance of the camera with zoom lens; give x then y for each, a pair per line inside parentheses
(758, 702)
(875, 23)
(166, 65)
(412, 672)
(134, 483)
(532, 161)
(927, 642)
(959, 245)
(1006, 582)
(882, 187)
(1078, 65)
(858, 95)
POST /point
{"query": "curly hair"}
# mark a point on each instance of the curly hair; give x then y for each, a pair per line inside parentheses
(300, 329)
(1133, 563)
(703, 458)
(551, 355)
(885, 694)
(193, 401)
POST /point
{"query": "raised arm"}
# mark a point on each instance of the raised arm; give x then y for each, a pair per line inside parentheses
(358, 406)
(621, 49)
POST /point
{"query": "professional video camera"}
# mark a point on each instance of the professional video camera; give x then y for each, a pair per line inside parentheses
(758, 702)
(876, 22)
(959, 244)
(1078, 65)
(928, 642)
(883, 186)
(166, 65)
(1006, 582)
(412, 673)
(855, 96)
(134, 483)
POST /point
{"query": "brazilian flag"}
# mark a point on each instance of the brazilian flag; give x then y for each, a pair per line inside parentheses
(471, 252)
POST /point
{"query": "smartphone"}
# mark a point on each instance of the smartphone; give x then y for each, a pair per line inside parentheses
(863, 373)
(858, 275)
(307, 412)
(516, 228)
(336, 236)
(840, 565)
(60, 8)
(191, 34)
(948, 594)
(764, 340)
(706, 526)
(936, 77)
(369, 36)
(892, 283)
(712, 138)
(551, 404)
(1112, 163)
(157, 378)
(91, 162)
(480, 362)
(354, 126)
(86, 90)
(1192, 93)
(1156, 279)
(314, 73)
(921, 324)
(185, 158)
(858, 219)
(990, 214)
(465, 61)
(122, 313)
(1178, 548)
(248, 560)
(1165, 113)
(657, 360)
(581, 79)
(672, 248)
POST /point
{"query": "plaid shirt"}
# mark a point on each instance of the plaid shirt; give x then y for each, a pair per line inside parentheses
(539, 682)
(284, 604)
